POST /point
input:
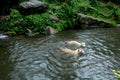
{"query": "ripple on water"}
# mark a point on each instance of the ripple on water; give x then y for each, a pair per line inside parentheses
(41, 59)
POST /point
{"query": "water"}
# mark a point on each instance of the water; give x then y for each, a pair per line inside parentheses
(39, 58)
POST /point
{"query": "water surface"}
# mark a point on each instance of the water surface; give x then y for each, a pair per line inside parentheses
(38, 58)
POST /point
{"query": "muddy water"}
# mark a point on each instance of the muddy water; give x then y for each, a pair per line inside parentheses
(39, 58)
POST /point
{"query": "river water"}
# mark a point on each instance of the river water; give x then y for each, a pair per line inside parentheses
(38, 58)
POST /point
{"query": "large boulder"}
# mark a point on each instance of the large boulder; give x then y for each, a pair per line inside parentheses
(118, 25)
(90, 22)
(32, 6)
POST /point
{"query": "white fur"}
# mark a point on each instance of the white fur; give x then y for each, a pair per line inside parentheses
(76, 43)
(73, 52)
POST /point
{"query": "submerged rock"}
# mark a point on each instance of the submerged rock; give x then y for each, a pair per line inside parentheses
(4, 40)
(91, 22)
(118, 25)
(2, 36)
(32, 6)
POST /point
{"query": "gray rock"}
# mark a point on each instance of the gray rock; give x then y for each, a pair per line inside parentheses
(32, 6)
(91, 22)
(54, 18)
(4, 40)
(51, 30)
(118, 25)
(2, 36)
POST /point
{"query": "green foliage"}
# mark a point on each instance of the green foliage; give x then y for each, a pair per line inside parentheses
(67, 14)
(113, 1)
(65, 10)
(12, 24)
(84, 6)
(59, 26)
(108, 12)
(117, 73)
(94, 2)
(17, 24)
(36, 22)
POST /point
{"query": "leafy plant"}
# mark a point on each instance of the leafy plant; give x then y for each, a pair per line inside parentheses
(17, 24)
(117, 73)
(36, 22)
(13, 22)
(65, 10)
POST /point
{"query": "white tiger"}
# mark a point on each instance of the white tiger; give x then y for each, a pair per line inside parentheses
(70, 51)
(75, 43)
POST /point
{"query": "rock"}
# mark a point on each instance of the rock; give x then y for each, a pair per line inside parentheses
(51, 30)
(30, 33)
(2, 36)
(91, 22)
(32, 6)
(4, 40)
(118, 25)
(54, 18)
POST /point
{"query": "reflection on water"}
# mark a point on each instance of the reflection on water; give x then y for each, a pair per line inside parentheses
(39, 58)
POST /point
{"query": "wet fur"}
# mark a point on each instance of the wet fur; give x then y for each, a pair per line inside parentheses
(75, 43)
(73, 52)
